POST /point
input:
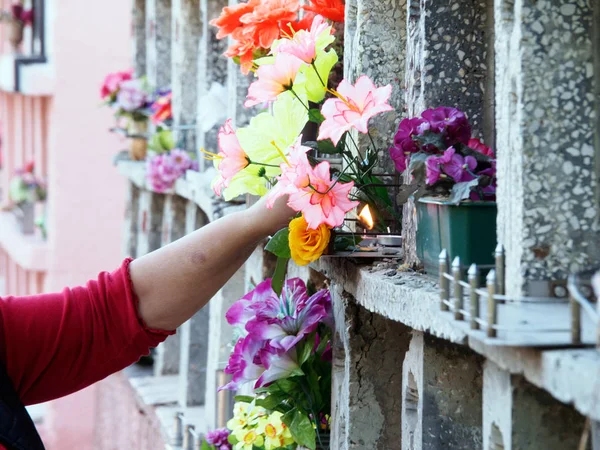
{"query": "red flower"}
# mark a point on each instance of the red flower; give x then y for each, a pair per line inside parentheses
(229, 20)
(330, 9)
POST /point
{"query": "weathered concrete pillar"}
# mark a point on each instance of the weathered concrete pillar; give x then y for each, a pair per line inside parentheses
(139, 37)
(158, 42)
(520, 416)
(150, 221)
(546, 120)
(132, 216)
(173, 227)
(212, 68)
(220, 335)
(194, 333)
(441, 396)
(186, 32)
(367, 383)
(448, 63)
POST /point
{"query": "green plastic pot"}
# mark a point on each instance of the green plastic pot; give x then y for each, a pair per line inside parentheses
(467, 230)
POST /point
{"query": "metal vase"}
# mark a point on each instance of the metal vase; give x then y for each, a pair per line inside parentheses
(25, 213)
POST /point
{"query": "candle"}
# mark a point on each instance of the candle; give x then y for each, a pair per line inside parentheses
(390, 240)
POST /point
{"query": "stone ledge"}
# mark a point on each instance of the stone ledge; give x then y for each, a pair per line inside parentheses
(28, 251)
(161, 394)
(196, 187)
(407, 297)
(571, 375)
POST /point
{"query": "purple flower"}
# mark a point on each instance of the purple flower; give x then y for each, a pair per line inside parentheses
(433, 165)
(480, 147)
(450, 121)
(218, 438)
(458, 167)
(181, 159)
(399, 158)
(131, 95)
(278, 365)
(286, 319)
(162, 171)
(406, 130)
(244, 363)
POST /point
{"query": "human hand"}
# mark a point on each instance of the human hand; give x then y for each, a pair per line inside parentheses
(270, 220)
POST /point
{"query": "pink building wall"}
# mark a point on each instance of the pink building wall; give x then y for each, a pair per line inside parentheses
(66, 132)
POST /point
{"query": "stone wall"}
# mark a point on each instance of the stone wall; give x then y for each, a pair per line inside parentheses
(405, 375)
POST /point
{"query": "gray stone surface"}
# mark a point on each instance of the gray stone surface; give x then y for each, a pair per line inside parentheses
(186, 32)
(366, 391)
(150, 221)
(131, 227)
(448, 64)
(221, 336)
(139, 37)
(158, 43)
(442, 396)
(545, 127)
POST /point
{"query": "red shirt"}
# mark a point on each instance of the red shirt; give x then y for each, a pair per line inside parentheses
(55, 344)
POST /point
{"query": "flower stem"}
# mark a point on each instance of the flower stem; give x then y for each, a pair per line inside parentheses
(318, 75)
(299, 99)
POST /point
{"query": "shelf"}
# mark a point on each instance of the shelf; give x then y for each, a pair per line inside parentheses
(29, 251)
(26, 75)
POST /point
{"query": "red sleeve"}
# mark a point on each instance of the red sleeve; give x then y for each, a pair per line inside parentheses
(56, 344)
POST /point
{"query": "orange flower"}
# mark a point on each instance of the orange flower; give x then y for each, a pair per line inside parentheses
(268, 17)
(331, 9)
(307, 245)
(229, 20)
(303, 24)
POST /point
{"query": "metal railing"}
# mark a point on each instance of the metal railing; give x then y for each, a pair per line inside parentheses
(468, 299)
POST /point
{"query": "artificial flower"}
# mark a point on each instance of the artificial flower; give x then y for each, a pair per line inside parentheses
(273, 79)
(241, 365)
(450, 121)
(112, 83)
(247, 439)
(267, 17)
(276, 434)
(399, 157)
(307, 245)
(162, 109)
(305, 44)
(294, 173)
(352, 107)
(231, 158)
(480, 147)
(406, 130)
(285, 319)
(132, 95)
(331, 9)
(229, 20)
(314, 76)
(278, 365)
(164, 169)
(459, 167)
(218, 438)
(266, 141)
(324, 201)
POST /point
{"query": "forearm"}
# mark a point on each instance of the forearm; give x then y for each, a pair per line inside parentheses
(175, 281)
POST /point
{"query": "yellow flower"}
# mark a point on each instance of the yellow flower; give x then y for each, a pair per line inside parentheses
(307, 245)
(247, 439)
(276, 434)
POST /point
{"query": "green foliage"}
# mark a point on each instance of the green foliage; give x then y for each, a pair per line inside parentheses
(279, 244)
(301, 428)
(279, 275)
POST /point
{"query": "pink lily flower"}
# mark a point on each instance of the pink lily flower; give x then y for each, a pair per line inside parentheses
(324, 200)
(353, 107)
(231, 158)
(273, 79)
(278, 365)
(303, 45)
(294, 173)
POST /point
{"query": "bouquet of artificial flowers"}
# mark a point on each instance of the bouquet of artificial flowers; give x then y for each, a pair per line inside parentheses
(437, 149)
(25, 187)
(129, 97)
(285, 351)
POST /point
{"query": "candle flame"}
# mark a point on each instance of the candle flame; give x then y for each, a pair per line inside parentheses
(366, 218)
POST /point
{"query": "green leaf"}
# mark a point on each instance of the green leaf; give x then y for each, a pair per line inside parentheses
(232, 439)
(342, 243)
(205, 446)
(301, 428)
(244, 398)
(306, 349)
(274, 402)
(314, 115)
(416, 166)
(279, 275)
(431, 138)
(279, 244)
(462, 191)
(380, 192)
